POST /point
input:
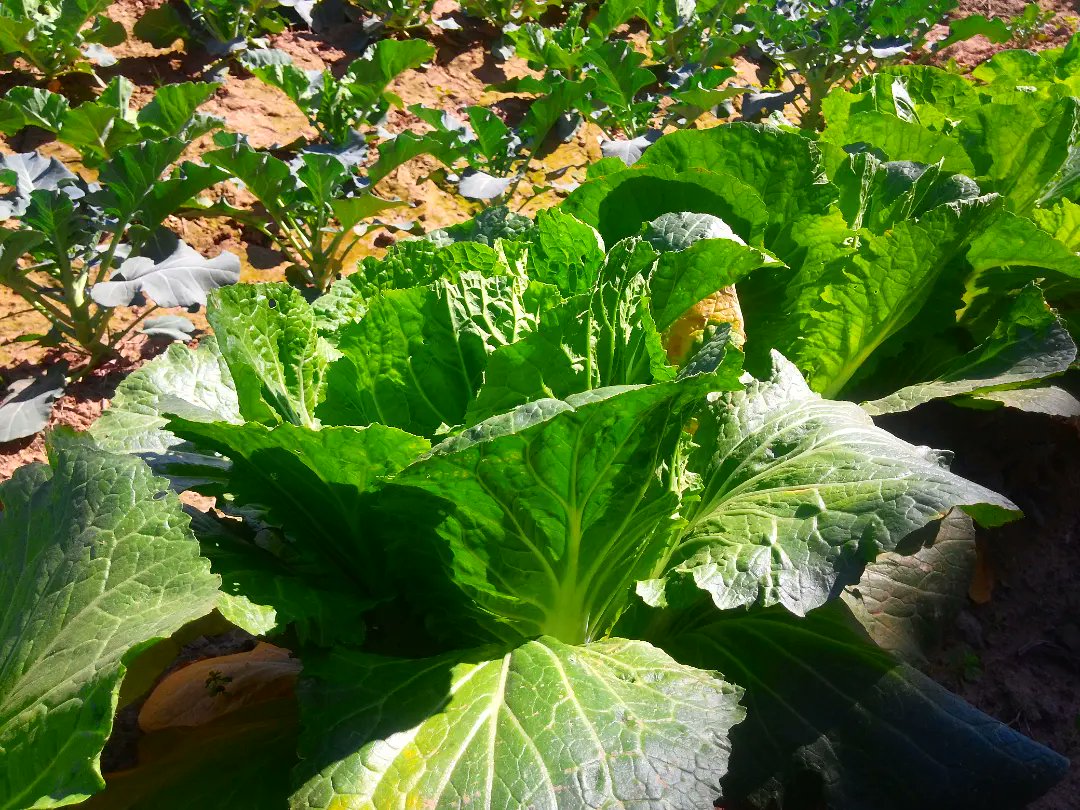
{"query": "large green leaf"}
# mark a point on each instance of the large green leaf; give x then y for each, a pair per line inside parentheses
(906, 602)
(897, 139)
(171, 110)
(835, 721)
(615, 723)
(950, 95)
(135, 419)
(556, 360)
(26, 106)
(690, 271)
(854, 291)
(618, 204)
(1048, 399)
(1029, 68)
(1011, 252)
(1029, 344)
(268, 588)
(539, 520)
(564, 251)
(387, 59)
(876, 195)
(1026, 151)
(1062, 221)
(417, 357)
(133, 173)
(1011, 240)
(267, 335)
(268, 178)
(312, 484)
(410, 263)
(612, 336)
(797, 494)
(98, 563)
(784, 168)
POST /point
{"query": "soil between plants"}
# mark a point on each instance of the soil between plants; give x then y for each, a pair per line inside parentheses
(1017, 657)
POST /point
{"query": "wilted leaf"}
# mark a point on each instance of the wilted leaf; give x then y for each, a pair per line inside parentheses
(207, 690)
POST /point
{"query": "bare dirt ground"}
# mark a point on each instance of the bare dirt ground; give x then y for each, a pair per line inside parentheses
(1016, 657)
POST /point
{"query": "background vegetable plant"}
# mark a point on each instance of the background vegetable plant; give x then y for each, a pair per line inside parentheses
(398, 15)
(79, 249)
(819, 45)
(97, 129)
(842, 224)
(92, 248)
(53, 38)
(547, 570)
(225, 28)
(314, 206)
(342, 110)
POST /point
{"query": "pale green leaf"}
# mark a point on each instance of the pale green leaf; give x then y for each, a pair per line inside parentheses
(615, 723)
(798, 493)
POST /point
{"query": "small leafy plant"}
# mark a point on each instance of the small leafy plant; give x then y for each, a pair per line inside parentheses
(225, 27)
(606, 80)
(489, 158)
(684, 35)
(98, 128)
(79, 250)
(398, 15)
(56, 37)
(501, 13)
(343, 109)
(312, 206)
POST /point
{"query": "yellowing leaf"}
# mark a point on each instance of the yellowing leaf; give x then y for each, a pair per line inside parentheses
(207, 690)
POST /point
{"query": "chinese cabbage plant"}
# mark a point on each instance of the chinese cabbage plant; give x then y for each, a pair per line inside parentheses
(518, 546)
(883, 255)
